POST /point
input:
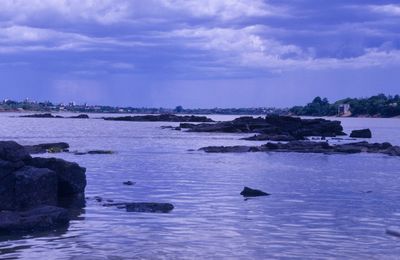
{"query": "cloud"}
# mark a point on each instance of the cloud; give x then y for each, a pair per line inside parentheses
(24, 38)
(389, 9)
(224, 9)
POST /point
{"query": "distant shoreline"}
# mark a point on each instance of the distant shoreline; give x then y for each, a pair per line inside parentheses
(207, 114)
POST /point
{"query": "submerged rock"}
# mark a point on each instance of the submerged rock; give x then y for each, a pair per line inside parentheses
(81, 116)
(129, 183)
(393, 231)
(160, 118)
(363, 133)
(248, 192)
(34, 220)
(150, 207)
(47, 148)
(310, 147)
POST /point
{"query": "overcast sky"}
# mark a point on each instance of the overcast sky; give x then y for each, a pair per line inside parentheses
(198, 53)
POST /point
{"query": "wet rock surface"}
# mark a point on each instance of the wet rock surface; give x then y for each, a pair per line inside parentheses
(31, 189)
(160, 118)
(310, 147)
(149, 207)
(273, 127)
(363, 133)
(47, 148)
(38, 219)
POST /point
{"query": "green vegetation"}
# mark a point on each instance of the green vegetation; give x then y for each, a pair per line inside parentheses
(375, 106)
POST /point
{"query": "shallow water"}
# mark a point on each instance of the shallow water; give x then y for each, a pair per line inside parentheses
(322, 206)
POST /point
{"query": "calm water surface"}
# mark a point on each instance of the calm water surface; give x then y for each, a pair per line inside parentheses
(322, 206)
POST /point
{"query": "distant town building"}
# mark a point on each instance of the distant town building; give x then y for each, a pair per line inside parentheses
(344, 110)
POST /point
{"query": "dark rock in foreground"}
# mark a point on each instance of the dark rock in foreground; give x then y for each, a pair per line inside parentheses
(150, 207)
(310, 147)
(160, 118)
(38, 219)
(47, 148)
(30, 188)
(71, 177)
(273, 127)
(364, 133)
(248, 192)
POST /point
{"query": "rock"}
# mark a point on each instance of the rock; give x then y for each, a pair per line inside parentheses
(12, 151)
(364, 133)
(150, 207)
(35, 187)
(100, 152)
(31, 187)
(45, 115)
(81, 116)
(160, 118)
(310, 147)
(71, 177)
(273, 127)
(393, 231)
(248, 192)
(47, 147)
(269, 137)
(129, 183)
(38, 219)
(228, 149)
(7, 184)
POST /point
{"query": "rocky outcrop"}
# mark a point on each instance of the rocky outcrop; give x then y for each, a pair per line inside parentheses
(363, 133)
(248, 192)
(48, 115)
(160, 118)
(150, 207)
(28, 184)
(277, 127)
(71, 177)
(45, 115)
(47, 148)
(38, 219)
(310, 147)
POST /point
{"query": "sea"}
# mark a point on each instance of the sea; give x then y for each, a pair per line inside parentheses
(320, 207)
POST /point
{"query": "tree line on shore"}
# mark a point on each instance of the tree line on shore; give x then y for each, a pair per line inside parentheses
(374, 106)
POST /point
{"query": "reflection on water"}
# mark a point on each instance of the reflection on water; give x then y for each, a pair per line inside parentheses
(322, 206)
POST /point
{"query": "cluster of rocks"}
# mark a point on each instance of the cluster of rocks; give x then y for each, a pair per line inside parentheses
(310, 147)
(160, 118)
(47, 148)
(60, 147)
(273, 127)
(35, 192)
(48, 115)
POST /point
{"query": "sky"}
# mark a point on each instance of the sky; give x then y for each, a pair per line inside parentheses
(198, 53)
